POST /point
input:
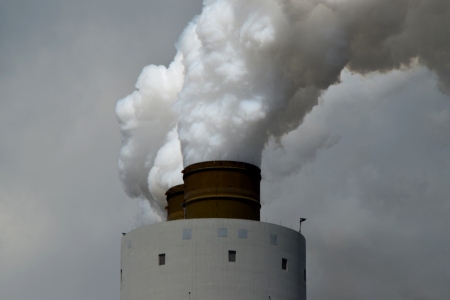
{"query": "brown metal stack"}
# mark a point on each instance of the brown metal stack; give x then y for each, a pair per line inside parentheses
(175, 202)
(217, 189)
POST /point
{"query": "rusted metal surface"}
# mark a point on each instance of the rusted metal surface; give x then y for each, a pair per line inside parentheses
(222, 189)
(175, 199)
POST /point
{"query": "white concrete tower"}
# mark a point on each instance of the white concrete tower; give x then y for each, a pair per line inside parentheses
(213, 246)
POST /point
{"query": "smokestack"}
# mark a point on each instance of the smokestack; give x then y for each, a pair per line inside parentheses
(175, 203)
(217, 189)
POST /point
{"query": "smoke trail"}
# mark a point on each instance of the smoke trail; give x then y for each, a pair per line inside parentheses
(247, 71)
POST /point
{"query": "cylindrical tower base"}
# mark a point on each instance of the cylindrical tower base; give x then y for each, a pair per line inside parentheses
(213, 259)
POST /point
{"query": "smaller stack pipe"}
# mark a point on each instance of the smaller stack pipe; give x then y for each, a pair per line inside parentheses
(175, 203)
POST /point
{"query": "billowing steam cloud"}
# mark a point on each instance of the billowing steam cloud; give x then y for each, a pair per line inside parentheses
(145, 119)
(250, 70)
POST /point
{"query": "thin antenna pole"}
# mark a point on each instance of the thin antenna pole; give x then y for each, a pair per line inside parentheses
(301, 221)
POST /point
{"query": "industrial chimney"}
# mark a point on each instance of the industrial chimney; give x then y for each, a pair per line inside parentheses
(214, 245)
(222, 189)
(175, 203)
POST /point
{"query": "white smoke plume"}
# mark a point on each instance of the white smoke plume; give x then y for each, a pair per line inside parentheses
(145, 119)
(166, 170)
(248, 71)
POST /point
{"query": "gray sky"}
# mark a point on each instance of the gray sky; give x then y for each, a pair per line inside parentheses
(376, 196)
(63, 66)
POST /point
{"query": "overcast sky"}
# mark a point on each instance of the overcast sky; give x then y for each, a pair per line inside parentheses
(376, 196)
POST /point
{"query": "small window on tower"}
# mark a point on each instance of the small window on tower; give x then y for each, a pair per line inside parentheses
(162, 259)
(187, 233)
(273, 238)
(232, 256)
(284, 264)
(222, 232)
(242, 233)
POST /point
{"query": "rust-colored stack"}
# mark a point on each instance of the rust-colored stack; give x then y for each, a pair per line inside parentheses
(218, 189)
(175, 202)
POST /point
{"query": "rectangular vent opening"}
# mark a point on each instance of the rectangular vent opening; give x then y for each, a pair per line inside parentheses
(162, 259)
(232, 256)
(284, 264)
